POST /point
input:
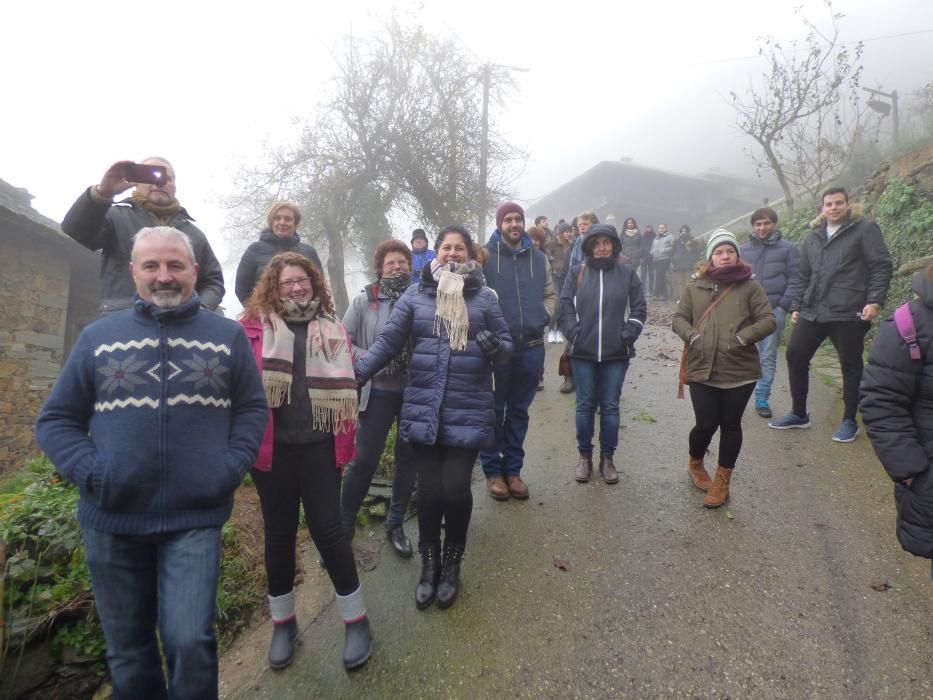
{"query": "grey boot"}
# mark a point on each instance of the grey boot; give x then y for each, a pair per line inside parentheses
(358, 643)
(282, 646)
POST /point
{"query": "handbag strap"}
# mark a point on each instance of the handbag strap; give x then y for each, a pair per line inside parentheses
(682, 378)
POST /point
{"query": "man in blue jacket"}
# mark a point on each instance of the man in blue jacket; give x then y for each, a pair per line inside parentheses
(421, 254)
(157, 415)
(519, 273)
(776, 264)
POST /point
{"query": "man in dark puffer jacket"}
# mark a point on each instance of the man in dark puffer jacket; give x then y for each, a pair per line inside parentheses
(897, 409)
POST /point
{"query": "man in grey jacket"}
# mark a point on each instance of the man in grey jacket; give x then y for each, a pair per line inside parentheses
(96, 222)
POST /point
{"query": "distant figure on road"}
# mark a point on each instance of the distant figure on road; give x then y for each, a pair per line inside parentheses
(684, 255)
(845, 271)
(156, 417)
(457, 332)
(720, 317)
(631, 243)
(594, 302)
(897, 409)
(96, 222)
(646, 264)
(776, 264)
(420, 253)
(307, 373)
(661, 254)
(542, 223)
(279, 236)
(559, 251)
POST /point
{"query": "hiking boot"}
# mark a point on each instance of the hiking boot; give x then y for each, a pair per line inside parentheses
(517, 487)
(847, 432)
(584, 468)
(426, 590)
(567, 386)
(497, 488)
(607, 469)
(449, 583)
(762, 408)
(791, 420)
(719, 492)
(697, 471)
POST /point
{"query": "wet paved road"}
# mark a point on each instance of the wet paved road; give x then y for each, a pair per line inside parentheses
(770, 596)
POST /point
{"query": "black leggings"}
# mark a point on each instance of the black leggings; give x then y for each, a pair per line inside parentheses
(306, 474)
(848, 337)
(719, 408)
(443, 492)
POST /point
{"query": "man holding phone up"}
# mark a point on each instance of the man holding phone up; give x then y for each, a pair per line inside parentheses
(97, 222)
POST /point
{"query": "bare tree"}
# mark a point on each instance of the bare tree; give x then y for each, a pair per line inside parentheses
(400, 134)
(805, 113)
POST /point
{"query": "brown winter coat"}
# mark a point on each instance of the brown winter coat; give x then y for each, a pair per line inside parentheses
(725, 351)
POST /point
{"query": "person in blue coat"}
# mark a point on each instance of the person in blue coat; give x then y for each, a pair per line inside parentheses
(421, 254)
(457, 332)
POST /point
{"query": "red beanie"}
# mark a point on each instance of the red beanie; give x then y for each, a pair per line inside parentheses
(507, 208)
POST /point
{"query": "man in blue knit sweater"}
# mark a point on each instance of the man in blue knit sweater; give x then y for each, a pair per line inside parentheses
(156, 416)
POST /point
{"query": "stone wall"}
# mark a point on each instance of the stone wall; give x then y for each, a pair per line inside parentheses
(39, 320)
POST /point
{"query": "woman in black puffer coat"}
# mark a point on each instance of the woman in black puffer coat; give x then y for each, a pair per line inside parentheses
(897, 409)
(457, 332)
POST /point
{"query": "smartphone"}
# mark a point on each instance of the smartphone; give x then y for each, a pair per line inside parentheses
(140, 174)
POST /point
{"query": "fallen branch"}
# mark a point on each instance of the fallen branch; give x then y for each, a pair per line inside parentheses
(919, 264)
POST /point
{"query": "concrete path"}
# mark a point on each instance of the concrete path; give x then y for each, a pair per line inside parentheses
(770, 596)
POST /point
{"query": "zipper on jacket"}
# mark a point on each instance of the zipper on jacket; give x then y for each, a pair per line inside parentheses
(599, 322)
(163, 409)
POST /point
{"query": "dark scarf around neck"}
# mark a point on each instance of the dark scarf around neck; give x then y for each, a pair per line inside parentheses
(730, 274)
(163, 212)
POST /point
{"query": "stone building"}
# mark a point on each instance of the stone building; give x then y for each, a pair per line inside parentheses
(49, 290)
(616, 190)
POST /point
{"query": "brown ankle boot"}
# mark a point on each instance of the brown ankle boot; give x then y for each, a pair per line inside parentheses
(697, 471)
(607, 469)
(719, 491)
(584, 468)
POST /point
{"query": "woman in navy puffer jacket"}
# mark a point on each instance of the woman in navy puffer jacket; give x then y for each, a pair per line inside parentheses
(457, 331)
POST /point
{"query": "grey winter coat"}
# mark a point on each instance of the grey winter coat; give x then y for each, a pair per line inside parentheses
(839, 276)
(662, 247)
(110, 227)
(257, 256)
(449, 398)
(897, 409)
(776, 264)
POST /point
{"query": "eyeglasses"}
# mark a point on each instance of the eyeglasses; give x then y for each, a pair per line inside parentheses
(301, 282)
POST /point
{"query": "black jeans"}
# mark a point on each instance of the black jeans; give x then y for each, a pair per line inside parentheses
(660, 278)
(444, 492)
(719, 408)
(382, 410)
(307, 474)
(848, 337)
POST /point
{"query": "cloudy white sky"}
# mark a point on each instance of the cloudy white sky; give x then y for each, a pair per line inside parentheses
(207, 83)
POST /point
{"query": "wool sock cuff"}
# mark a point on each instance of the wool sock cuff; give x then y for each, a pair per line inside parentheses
(352, 607)
(282, 607)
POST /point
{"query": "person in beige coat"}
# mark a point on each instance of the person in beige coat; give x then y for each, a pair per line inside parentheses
(722, 314)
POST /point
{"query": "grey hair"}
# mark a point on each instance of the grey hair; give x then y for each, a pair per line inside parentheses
(180, 237)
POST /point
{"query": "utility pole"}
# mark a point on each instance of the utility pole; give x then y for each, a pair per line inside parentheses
(884, 109)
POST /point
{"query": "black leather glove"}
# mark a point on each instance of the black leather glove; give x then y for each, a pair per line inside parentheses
(488, 343)
(630, 332)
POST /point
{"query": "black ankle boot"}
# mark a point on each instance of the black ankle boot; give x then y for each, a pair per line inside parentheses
(357, 644)
(430, 574)
(450, 575)
(282, 646)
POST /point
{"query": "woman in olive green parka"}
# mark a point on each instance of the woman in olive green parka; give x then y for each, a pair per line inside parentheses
(722, 314)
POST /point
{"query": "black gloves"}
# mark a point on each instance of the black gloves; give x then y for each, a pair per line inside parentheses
(630, 332)
(488, 343)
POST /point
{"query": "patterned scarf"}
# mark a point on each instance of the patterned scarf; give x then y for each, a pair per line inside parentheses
(328, 365)
(394, 287)
(165, 213)
(451, 314)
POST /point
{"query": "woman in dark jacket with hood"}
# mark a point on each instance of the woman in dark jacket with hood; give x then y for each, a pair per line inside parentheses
(897, 409)
(456, 330)
(280, 237)
(593, 306)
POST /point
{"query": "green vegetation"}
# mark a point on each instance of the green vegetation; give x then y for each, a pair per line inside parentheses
(906, 217)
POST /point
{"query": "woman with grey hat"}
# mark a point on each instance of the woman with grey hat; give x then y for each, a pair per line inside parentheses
(721, 315)
(593, 304)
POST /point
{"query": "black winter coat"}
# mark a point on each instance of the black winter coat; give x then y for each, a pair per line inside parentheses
(259, 253)
(897, 409)
(448, 399)
(776, 264)
(684, 254)
(593, 306)
(110, 228)
(839, 276)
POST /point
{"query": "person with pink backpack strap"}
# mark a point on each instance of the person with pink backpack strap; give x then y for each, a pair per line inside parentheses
(897, 410)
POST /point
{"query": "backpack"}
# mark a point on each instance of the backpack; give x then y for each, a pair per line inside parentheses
(904, 320)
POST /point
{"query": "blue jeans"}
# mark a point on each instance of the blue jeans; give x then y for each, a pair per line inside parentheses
(767, 349)
(598, 383)
(516, 386)
(166, 581)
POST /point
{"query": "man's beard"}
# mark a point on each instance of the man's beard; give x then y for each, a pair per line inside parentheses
(166, 296)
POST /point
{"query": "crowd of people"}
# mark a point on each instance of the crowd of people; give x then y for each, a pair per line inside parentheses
(164, 406)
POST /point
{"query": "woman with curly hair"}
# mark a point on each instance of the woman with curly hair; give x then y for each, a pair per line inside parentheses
(303, 353)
